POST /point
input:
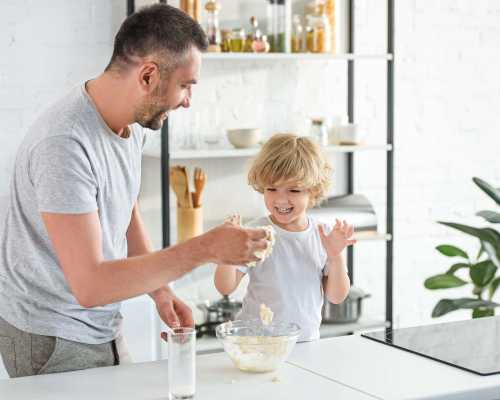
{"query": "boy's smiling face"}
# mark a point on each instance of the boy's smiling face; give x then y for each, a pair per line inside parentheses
(287, 202)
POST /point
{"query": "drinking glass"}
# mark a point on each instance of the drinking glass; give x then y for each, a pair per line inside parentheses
(181, 363)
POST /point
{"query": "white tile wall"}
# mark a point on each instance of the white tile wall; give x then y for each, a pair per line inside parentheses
(447, 120)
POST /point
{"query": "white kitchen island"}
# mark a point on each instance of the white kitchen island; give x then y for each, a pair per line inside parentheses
(349, 367)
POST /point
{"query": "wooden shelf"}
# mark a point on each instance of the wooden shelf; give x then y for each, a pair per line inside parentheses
(232, 153)
(371, 235)
(360, 236)
(295, 56)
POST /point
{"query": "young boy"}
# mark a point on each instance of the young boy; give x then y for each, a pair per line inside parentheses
(305, 263)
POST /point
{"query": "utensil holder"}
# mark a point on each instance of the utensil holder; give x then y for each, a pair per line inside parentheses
(189, 223)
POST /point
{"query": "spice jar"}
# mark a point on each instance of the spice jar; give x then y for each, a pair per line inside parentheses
(319, 131)
(226, 40)
(213, 31)
(297, 35)
(330, 12)
(309, 34)
(322, 32)
(238, 40)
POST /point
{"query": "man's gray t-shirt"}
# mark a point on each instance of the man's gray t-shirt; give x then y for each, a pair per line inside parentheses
(69, 162)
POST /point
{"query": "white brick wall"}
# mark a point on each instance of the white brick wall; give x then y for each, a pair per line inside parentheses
(447, 101)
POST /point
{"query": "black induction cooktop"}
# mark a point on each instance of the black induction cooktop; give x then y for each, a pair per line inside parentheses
(472, 345)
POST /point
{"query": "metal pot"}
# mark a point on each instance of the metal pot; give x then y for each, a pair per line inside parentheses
(347, 311)
(215, 313)
(220, 311)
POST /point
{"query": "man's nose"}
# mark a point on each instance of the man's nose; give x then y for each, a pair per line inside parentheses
(186, 102)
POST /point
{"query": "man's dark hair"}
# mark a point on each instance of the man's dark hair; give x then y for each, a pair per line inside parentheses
(156, 29)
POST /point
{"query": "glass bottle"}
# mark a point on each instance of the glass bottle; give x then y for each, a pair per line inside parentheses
(213, 30)
(297, 35)
(281, 27)
(254, 38)
(271, 28)
(319, 131)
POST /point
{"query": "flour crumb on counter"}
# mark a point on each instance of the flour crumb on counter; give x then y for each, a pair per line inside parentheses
(276, 379)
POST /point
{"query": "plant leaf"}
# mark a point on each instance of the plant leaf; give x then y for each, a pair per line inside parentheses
(443, 281)
(445, 306)
(493, 247)
(451, 251)
(494, 286)
(482, 273)
(480, 252)
(490, 238)
(481, 233)
(483, 312)
(488, 189)
(490, 216)
(455, 267)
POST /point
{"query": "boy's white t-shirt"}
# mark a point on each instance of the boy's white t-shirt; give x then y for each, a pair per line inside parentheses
(289, 281)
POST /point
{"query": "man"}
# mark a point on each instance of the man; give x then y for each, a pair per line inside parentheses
(73, 244)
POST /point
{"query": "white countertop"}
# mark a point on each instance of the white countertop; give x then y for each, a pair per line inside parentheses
(349, 367)
(390, 373)
(216, 377)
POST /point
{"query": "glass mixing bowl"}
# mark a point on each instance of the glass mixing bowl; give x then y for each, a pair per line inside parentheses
(254, 347)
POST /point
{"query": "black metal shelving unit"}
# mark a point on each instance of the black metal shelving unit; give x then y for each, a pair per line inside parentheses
(389, 312)
(165, 155)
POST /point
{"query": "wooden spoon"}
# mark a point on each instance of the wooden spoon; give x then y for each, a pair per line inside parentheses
(178, 183)
(200, 179)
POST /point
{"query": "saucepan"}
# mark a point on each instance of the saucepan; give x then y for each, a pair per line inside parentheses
(347, 311)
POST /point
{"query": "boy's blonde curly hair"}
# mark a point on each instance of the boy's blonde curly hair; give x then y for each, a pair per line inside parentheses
(286, 157)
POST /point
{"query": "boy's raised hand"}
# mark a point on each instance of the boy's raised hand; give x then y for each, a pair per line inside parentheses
(339, 238)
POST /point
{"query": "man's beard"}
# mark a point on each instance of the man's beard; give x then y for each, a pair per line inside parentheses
(150, 117)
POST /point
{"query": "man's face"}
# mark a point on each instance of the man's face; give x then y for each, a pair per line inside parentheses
(172, 92)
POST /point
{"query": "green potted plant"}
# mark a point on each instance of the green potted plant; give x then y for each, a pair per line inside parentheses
(479, 271)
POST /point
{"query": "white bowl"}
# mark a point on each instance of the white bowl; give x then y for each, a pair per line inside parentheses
(349, 134)
(244, 138)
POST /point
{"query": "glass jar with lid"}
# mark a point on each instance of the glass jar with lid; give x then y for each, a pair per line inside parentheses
(238, 40)
(322, 31)
(309, 34)
(319, 131)
(297, 35)
(226, 35)
(213, 30)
